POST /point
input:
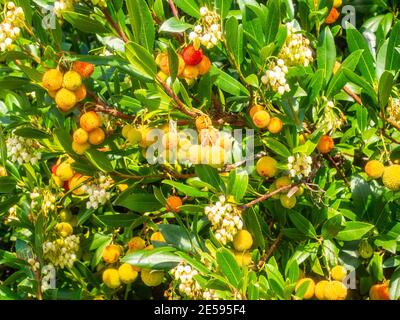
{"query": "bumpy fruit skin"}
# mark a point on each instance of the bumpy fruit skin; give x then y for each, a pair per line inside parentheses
(134, 136)
(173, 204)
(282, 182)
(64, 229)
(310, 287)
(157, 236)
(52, 79)
(97, 136)
(77, 180)
(147, 138)
(65, 99)
(190, 72)
(254, 109)
(287, 202)
(81, 93)
(52, 93)
(57, 180)
(80, 136)
(204, 66)
(127, 273)
(374, 169)
(90, 121)
(338, 273)
(72, 80)
(84, 69)
(135, 244)
(80, 148)
(337, 3)
(191, 56)
(152, 278)
(325, 144)
(379, 291)
(275, 125)
(111, 278)
(335, 290)
(126, 129)
(64, 171)
(261, 119)
(243, 258)
(111, 253)
(266, 167)
(391, 177)
(332, 16)
(203, 122)
(320, 289)
(242, 240)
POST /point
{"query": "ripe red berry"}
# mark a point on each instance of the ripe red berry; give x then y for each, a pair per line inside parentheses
(191, 56)
(54, 168)
(66, 186)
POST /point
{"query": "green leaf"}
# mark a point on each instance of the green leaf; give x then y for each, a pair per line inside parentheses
(141, 60)
(356, 79)
(222, 7)
(174, 25)
(227, 83)
(188, 6)
(234, 38)
(7, 184)
(273, 21)
(253, 223)
(139, 202)
(302, 224)
(178, 236)
(187, 190)
(237, 183)
(162, 258)
(141, 23)
(277, 147)
(385, 88)
(393, 55)
(99, 160)
(210, 175)
(173, 63)
(34, 133)
(326, 53)
(229, 267)
(12, 82)
(332, 227)
(354, 230)
(84, 22)
(394, 285)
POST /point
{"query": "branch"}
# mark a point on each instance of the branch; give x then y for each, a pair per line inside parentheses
(173, 8)
(329, 158)
(231, 166)
(270, 251)
(353, 95)
(115, 25)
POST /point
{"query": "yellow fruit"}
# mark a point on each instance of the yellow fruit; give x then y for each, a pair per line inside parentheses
(57, 180)
(52, 79)
(170, 140)
(242, 240)
(52, 93)
(214, 156)
(64, 171)
(80, 136)
(64, 229)
(203, 122)
(309, 283)
(81, 93)
(147, 137)
(135, 244)
(335, 290)
(266, 167)
(320, 289)
(111, 253)
(111, 278)
(374, 169)
(89, 121)
(282, 182)
(122, 187)
(77, 180)
(72, 80)
(195, 154)
(275, 125)
(261, 119)
(157, 236)
(272, 188)
(337, 3)
(325, 144)
(190, 72)
(173, 204)
(243, 258)
(65, 215)
(134, 136)
(287, 202)
(65, 99)
(80, 148)
(391, 177)
(152, 278)
(126, 129)
(99, 297)
(254, 109)
(127, 273)
(204, 65)
(338, 273)
(299, 191)
(96, 136)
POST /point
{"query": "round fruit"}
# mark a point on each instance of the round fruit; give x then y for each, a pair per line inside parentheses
(379, 291)
(136, 243)
(287, 202)
(152, 278)
(374, 169)
(134, 136)
(309, 284)
(147, 137)
(111, 253)
(84, 69)
(325, 144)
(64, 171)
(80, 148)
(337, 3)
(299, 191)
(90, 121)
(335, 290)
(214, 156)
(242, 240)
(96, 136)
(80, 136)
(127, 273)
(173, 203)
(57, 180)
(52, 79)
(52, 93)
(391, 177)
(254, 109)
(77, 180)
(338, 273)
(126, 129)
(204, 66)
(243, 258)
(203, 122)
(266, 167)
(64, 229)
(275, 125)
(190, 72)
(111, 278)
(157, 236)
(365, 249)
(320, 289)
(72, 80)
(81, 93)
(65, 99)
(191, 56)
(194, 153)
(332, 16)
(163, 62)
(282, 182)
(65, 215)
(261, 119)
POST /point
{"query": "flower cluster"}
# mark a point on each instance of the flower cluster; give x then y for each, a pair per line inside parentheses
(296, 50)
(42, 200)
(226, 220)
(188, 286)
(35, 265)
(97, 191)
(329, 120)
(48, 277)
(61, 6)
(275, 77)
(62, 251)
(99, 3)
(299, 165)
(22, 150)
(208, 32)
(10, 28)
(393, 109)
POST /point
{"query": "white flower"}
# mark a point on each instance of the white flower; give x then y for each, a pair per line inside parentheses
(203, 11)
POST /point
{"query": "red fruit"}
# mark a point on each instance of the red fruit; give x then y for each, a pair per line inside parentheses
(66, 185)
(85, 69)
(54, 168)
(191, 56)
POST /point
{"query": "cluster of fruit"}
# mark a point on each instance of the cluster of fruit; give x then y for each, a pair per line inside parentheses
(89, 133)
(242, 242)
(390, 174)
(65, 176)
(192, 63)
(334, 14)
(67, 88)
(262, 119)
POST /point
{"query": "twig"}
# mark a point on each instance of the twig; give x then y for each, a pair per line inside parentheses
(266, 196)
(270, 251)
(329, 158)
(174, 9)
(229, 167)
(353, 95)
(115, 25)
